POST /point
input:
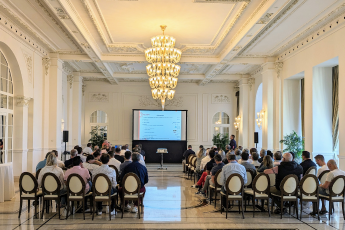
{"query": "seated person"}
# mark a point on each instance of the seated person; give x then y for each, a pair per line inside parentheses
(51, 167)
(105, 169)
(185, 155)
(287, 166)
(320, 161)
(113, 161)
(91, 163)
(209, 166)
(210, 178)
(245, 162)
(238, 153)
(60, 163)
(122, 151)
(128, 160)
(69, 163)
(41, 164)
(142, 152)
(141, 172)
(307, 162)
(255, 158)
(88, 149)
(118, 155)
(277, 158)
(263, 153)
(80, 154)
(83, 172)
(269, 153)
(205, 160)
(267, 163)
(324, 188)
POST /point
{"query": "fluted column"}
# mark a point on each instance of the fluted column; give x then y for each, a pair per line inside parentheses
(77, 89)
(243, 138)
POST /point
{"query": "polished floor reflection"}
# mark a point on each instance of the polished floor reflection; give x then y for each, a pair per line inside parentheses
(170, 203)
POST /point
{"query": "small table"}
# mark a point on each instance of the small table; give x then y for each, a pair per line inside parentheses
(162, 167)
(6, 182)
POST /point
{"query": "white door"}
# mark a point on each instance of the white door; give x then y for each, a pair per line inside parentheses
(6, 135)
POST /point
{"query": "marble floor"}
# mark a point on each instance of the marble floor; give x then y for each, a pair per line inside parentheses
(170, 203)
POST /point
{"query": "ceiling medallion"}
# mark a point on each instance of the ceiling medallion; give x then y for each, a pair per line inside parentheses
(163, 70)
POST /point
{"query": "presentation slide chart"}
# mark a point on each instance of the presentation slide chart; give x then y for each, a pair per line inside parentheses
(159, 125)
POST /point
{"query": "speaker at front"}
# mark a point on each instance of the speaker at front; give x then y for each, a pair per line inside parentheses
(65, 136)
(256, 137)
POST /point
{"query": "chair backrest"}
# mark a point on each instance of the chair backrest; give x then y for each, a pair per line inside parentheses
(131, 184)
(37, 174)
(188, 159)
(289, 185)
(311, 170)
(27, 183)
(234, 184)
(272, 179)
(337, 186)
(250, 177)
(309, 185)
(116, 171)
(261, 183)
(101, 185)
(194, 162)
(75, 185)
(217, 178)
(322, 177)
(51, 184)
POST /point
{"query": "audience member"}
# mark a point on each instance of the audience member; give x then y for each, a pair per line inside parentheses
(255, 158)
(128, 160)
(113, 160)
(69, 163)
(96, 148)
(269, 153)
(97, 154)
(277, 158)
(286, 167)
(41, 164)
(205, 160)
(105, 169)
(123, 150)
(51, 167)
(105, 144)
(245, 161)
(324, 188)
(307, 162)
(59, 163)
(209, 165)
(91, 163)
(238, 153)
(221, 153)
(104, 150)
(83, 172)
(142, 152)
(141, 172)
(267, 163)
(88, 149)
(320, 161)
(240, 148)
(227, 149)
(118, 155)
(263, 153)
(80, 154)
(186, 154)
(199, 156)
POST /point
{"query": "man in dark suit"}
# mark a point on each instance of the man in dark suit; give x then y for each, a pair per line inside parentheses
(186, 154)
(307, 162)
(233, 144)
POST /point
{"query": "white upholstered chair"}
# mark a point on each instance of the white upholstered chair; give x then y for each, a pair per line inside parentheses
(309, 191)
(217, 186)
(131, 186)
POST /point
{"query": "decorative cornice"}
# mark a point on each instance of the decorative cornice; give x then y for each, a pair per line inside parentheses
(123, 49)
(66, 69)
(220, 1)
(145, 101)
(221, 98)
(46, 63)
(83, 86)
(98, 97)
(278, 67)
(22, 101)
(70, 79)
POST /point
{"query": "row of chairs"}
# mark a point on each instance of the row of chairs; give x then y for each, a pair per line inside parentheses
(101, 191)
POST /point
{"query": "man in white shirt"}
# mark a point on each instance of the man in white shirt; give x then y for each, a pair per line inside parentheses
(91, 163)
(123, 150)
(113, 161)
(205, 160)
(80, 154)
(88, 149)
(324, 188)
(320, 161)
(255, 158)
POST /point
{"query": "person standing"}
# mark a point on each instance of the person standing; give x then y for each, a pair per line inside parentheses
(232, 144)
(186, 154)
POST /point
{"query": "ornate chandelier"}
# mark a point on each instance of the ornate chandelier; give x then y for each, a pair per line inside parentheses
(163, 70)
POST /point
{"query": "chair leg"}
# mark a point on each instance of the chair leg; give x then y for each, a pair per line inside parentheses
(138, 207)
(330, 210)
(215, 197)
(296, 207)
(42, 208)
(301, 201)
(83, 207)
(123, 207)
(20, 207)
(268, 206)
(109, 210)
(58, 206)
(342, 205)
(68, 207)
(29, 206)
(221, 204)
(281, 208)
(227, 206)
(94, 208)
(242, 208)
(36, 201)
(239, 210)
(253, 201)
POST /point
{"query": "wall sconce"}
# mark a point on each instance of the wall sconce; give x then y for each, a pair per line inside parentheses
(237, 122)
(260, 117)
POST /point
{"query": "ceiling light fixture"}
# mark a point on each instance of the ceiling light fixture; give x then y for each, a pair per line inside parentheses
(163, 70)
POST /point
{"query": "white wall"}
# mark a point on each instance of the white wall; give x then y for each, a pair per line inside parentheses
(121, 99)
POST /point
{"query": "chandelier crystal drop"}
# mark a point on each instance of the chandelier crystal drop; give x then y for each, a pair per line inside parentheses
(163, 70)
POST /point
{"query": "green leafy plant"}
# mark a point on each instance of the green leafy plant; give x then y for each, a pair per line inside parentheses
(293, 143)
(97, 136)
(220, 140)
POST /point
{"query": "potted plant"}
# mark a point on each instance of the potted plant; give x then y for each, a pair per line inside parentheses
(294, 143)
(97, 136)
(220, 140)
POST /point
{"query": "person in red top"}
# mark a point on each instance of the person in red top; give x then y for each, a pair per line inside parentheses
(105, 144)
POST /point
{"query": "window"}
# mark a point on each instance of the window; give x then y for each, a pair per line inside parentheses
(6, 111)
(221, 123)
(99, 118)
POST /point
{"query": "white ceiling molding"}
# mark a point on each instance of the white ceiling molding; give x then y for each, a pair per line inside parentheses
(220, 1)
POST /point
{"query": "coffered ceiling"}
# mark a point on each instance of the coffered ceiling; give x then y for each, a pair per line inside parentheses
(221, 40)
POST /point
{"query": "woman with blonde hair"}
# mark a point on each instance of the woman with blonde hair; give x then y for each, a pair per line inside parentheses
(267, 163)
(199, 156)
(52, 167)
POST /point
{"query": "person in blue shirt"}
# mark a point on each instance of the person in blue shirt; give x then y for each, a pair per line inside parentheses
(42, 164)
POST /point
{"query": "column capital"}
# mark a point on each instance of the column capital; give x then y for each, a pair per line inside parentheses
(22, 101)
(70, 80)
(46, 63)
(278, 67)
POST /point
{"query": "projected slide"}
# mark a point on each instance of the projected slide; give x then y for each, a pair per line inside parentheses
(159, 125)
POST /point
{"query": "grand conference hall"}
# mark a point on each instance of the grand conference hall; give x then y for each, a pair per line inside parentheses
(172, 114)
